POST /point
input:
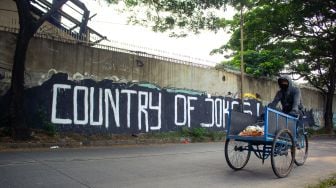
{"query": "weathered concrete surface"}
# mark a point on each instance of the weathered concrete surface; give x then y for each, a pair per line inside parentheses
(46, 57)
(170, 165)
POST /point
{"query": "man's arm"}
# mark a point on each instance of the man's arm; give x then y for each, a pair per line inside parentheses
(275, 101)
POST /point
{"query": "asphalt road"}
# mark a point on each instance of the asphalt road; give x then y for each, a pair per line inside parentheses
(169, 165)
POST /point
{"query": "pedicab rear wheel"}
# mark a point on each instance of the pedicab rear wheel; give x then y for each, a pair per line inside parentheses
(301, 151)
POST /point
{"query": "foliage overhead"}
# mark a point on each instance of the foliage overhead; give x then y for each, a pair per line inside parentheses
(304, 34)
(297, 31)
(297, 34)
(179, 16)
(258, 63)
(302, 31)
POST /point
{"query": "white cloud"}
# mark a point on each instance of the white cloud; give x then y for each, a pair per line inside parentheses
(113, 25)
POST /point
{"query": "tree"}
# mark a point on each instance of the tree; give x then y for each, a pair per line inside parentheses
(296, 34)
(302, 34)
(264, 63)
(177, 16)
(29, 24)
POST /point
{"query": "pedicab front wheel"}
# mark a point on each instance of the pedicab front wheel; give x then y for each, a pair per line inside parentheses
(237, 153)
(283, 153)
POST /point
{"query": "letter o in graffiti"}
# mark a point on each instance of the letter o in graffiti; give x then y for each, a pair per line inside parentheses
(218, 111)
(86, 105)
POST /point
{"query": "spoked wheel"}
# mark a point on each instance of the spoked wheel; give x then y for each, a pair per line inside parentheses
(283, 153)
(301, 151)
(237, 153)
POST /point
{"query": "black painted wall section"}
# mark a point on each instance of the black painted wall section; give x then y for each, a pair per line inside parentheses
(88, 106)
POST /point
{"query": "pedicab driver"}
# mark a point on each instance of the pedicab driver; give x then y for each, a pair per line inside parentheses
(289, 96)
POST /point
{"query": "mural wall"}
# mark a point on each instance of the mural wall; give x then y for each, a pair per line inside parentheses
(107, 106)
(82, 61)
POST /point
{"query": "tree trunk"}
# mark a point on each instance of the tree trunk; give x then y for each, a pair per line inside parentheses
(328, 116)
(28, 27)
(17, 117)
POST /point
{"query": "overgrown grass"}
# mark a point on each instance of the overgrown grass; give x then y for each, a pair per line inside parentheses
(5, 131)
(162, 135)
(329, 182)
(202, 134)
(313, 132)
(5, 125)
(42, 119)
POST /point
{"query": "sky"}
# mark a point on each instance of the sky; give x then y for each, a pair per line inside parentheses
(195, 48)
(114, 26)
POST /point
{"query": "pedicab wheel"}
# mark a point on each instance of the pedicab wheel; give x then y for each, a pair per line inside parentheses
(283, 153)
(301, 151)
(237, 153)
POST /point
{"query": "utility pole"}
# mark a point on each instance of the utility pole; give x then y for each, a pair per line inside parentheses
(241, 57)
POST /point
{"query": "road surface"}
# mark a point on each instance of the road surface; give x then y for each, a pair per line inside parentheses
(157, 166)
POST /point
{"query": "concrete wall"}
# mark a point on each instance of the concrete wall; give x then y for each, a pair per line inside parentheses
(88, 106)
(47, 56)
(8, 13)
(44, 55)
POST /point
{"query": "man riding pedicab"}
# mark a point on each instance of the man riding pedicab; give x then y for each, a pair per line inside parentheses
(289, 96)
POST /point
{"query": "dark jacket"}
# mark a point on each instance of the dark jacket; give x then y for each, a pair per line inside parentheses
(290, 99)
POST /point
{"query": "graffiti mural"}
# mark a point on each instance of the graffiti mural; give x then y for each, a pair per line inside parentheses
(108, 106)
(318, 118)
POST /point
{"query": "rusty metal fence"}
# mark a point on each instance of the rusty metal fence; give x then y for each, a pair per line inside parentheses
(47, 31)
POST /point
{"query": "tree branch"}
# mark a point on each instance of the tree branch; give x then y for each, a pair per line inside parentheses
(23, 7)
(55, 7)
(311, 82)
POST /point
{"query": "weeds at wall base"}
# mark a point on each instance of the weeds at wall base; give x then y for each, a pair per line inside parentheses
(319, 132)
(42, 139)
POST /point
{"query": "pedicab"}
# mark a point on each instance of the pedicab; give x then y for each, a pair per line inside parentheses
(278, 136)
